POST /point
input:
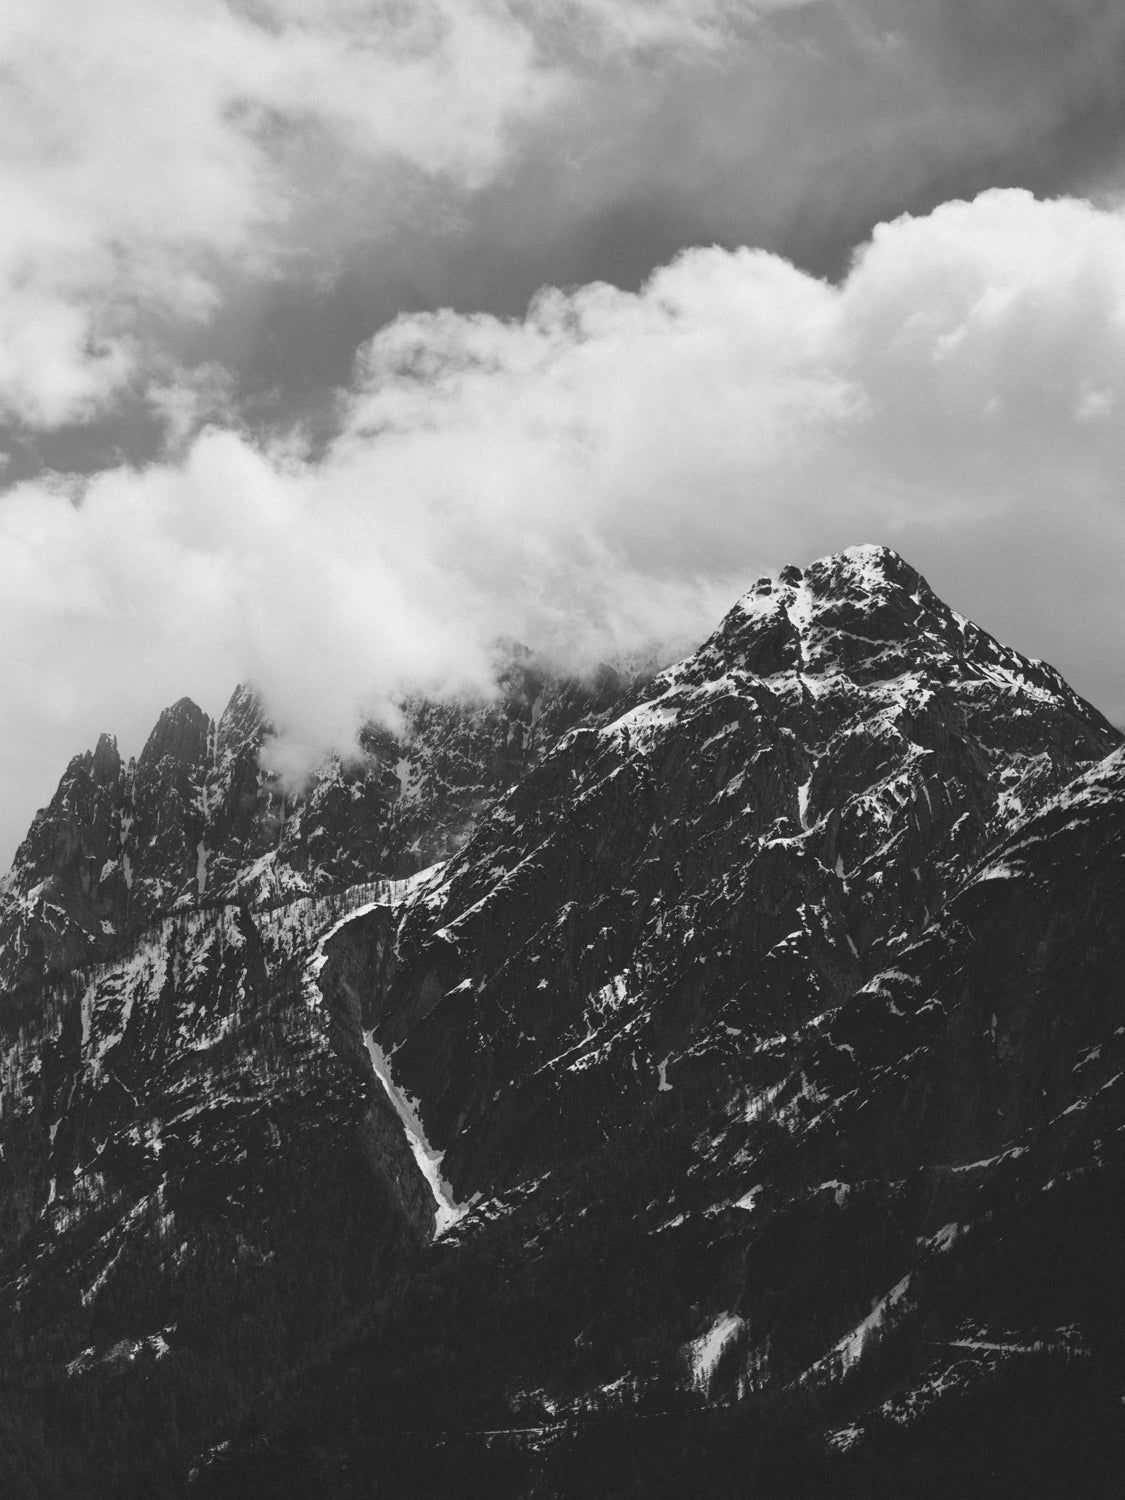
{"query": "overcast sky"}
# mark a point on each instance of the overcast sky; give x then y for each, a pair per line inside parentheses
(338, 337)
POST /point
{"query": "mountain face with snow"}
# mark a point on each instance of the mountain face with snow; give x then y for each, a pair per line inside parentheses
(703, 1079)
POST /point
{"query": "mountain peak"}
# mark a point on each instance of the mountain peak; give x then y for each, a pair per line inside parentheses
(869, 570)
(869, 567)
(242, 725)
(105, 766)
(864, 612)
(182, 732)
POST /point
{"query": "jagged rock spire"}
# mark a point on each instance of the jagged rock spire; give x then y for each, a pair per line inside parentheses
(181, 732)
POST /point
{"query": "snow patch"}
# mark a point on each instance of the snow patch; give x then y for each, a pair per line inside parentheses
(403, 772)
(844, 1355)
(760, 1103)
(990, 1161)
(843, 1438)
(803, 802)
(944, 1238)
(650, 715)
(124, 1352)
(389, 893)
(704, 1353)
(838, 1189)
(448, 1210)
(851, 1346)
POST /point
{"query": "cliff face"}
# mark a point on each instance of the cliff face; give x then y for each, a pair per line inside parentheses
(66, 889)
(753, 1060)
(165, 820)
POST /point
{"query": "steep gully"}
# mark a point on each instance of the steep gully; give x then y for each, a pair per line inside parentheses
(337, 974)
(448, 1211)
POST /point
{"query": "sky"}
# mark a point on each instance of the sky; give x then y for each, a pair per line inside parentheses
(341, 338)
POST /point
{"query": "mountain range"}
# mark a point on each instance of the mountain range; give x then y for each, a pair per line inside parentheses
(706, 1080)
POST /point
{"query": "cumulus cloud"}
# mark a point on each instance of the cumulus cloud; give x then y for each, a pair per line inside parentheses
(613, 468)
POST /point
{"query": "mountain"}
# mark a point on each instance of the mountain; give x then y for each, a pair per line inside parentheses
(702, 1078)
(684, 881)
(195, 818)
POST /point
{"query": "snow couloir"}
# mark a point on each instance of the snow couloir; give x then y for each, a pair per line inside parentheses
(447, 1210)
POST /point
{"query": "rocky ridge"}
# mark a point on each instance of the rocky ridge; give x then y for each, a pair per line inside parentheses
(195, 818)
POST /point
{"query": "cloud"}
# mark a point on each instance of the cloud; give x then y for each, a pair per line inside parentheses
(151, 152)
(183, 179)
(611, 468)
(145, 144)
(792, 128)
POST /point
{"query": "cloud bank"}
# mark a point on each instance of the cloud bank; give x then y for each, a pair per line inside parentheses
(612, 468)
(184, 179)
(793, 128)
(153, 152)
(147, 145)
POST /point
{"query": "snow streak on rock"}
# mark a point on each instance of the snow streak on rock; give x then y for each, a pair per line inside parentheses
(449, 1211)
(705, 1352)
(389, 895)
